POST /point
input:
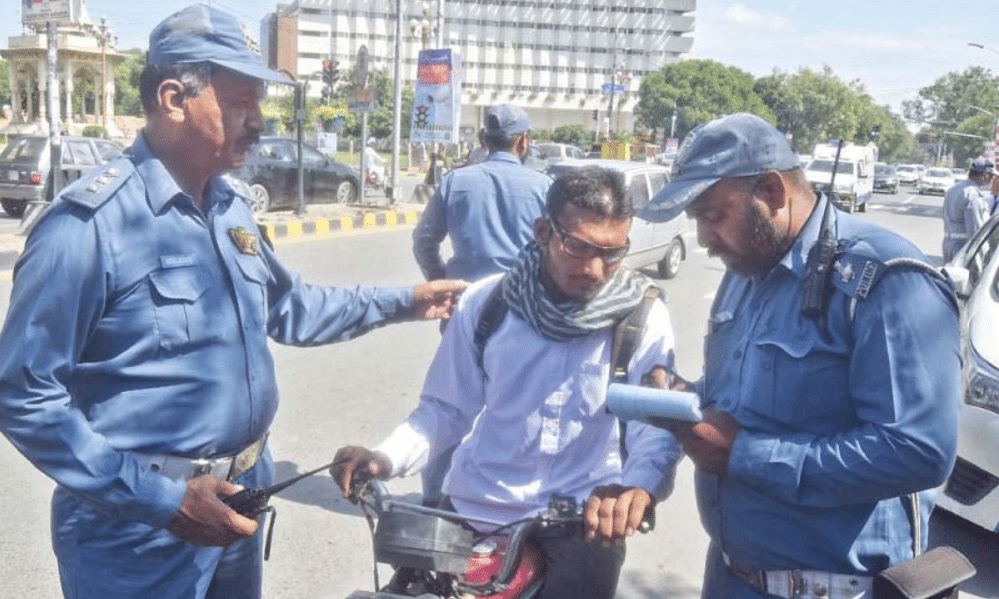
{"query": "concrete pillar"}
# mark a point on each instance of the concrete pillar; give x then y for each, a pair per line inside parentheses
(43, 113)
(67, 84)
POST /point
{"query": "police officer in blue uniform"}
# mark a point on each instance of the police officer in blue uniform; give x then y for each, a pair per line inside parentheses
(134, 367)
(825, 430)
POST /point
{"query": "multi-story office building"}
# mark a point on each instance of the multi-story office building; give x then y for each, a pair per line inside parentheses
(557, 58)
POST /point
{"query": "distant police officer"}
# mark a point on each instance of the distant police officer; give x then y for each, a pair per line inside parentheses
(967, 205)
(134, 362)
(487, 209)
(817, 427)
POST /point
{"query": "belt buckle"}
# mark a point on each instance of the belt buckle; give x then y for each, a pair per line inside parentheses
(219, 468)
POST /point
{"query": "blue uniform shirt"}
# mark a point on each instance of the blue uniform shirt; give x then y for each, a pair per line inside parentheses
(835, 428)
(488, 210)
(137, 323)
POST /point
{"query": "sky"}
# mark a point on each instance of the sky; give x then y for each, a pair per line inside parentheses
(892, 48)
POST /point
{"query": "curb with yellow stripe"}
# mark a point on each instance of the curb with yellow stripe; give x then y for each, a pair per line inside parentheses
(322, 226)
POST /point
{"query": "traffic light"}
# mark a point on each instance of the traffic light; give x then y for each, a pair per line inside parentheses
(331, 72)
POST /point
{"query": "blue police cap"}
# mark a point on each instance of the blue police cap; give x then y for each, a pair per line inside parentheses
(737, 145)
(506, 120)
(201, 33)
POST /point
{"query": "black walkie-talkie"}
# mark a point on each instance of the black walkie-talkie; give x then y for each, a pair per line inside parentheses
(815, 294)
(253, 502)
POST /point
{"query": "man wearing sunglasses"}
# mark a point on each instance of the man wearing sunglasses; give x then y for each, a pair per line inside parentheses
(529, 418)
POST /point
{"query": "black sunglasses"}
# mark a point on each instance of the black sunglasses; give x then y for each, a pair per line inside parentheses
(580, 248)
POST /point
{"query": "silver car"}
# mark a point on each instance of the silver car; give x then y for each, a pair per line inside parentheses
(972, 491)
(663, 244)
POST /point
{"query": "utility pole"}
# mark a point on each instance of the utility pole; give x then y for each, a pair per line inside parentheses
(397, 109)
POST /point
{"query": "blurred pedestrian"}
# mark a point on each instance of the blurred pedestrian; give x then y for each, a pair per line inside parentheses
(967, 205)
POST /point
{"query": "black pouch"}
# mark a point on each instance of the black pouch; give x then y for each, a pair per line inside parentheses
(935, 574)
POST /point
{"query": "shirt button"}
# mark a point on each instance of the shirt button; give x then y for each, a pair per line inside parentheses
(737, 354)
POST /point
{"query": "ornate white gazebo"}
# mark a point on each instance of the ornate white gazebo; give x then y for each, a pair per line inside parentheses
(86, 60)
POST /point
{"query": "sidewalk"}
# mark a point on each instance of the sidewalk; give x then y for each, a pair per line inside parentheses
(319, 219)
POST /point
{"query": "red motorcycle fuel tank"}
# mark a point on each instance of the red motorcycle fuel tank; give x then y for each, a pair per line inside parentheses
(487, 557)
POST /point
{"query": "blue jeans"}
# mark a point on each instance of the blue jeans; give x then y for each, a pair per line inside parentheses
(103, 557)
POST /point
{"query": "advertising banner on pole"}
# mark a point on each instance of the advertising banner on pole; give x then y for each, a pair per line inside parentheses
(65, 12)
(437, 104)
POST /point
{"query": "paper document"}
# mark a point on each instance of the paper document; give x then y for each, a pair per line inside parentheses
(632, 402)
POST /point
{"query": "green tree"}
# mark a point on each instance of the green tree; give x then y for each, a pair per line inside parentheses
(379, 120)
(959, 110)
(698, 90)
(813, 107)
(576, 135)
(126, 83)
(5, 83)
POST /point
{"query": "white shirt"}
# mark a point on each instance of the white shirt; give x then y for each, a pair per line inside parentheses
(536, 424)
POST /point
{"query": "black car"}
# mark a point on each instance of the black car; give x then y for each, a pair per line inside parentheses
(25, 173)
(271, 172)
(885, 178)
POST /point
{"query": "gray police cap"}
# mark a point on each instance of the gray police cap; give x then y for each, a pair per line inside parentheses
(202, 33)
(506, 120)
(981, 165)
(737, 145)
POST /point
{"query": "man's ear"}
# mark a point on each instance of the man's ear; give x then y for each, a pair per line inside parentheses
(773, 190)
(170, 99)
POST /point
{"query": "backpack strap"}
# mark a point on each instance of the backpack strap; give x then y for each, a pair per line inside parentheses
(492, 314)
(626, 334)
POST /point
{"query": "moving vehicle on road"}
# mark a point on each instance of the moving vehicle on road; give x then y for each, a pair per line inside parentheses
(885, 178)
(854, 181)
(936, 180)
(664, 244)
(26, 173)
(972, 491)
(271, 172)
(908, 174)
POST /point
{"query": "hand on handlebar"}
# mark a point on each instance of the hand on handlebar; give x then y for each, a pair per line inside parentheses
(614, 512)
(354, 465)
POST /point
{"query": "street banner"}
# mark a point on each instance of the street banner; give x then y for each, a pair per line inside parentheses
(437, 103)
(65, 12)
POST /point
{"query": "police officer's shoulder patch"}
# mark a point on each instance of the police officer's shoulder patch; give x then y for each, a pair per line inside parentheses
(856, 274)
(97, 186)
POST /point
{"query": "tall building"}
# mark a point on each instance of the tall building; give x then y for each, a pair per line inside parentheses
(556, 58)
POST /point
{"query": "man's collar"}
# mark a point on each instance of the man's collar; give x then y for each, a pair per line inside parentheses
(161, 188)
(504, 156)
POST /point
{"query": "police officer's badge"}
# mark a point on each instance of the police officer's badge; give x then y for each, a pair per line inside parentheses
(245, 242)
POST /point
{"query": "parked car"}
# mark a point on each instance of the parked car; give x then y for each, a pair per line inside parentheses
(663, 244)
(972, 491)
(936, 180)
(25, 167)
(908, 174)
(271, 172)
(555, 152)
(885, 178)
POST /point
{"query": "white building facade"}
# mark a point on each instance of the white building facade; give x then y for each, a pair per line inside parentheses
(554, 58)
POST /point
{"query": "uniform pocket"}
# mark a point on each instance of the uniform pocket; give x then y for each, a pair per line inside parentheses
(803, 382)
(181, 319)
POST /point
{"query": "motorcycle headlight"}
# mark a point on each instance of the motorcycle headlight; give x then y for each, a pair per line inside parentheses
(983, 384)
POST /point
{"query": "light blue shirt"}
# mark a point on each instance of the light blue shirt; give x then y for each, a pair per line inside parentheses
(488, 210)
(835, 428)
(137, 324)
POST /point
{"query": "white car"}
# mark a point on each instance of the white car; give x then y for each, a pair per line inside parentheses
(936, 180)
(972, 491)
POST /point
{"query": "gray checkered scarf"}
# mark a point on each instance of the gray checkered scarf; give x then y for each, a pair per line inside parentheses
(525, 295)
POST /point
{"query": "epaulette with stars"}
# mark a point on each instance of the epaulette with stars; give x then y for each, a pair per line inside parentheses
(97, 186)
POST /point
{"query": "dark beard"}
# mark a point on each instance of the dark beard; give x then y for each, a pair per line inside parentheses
(765, 242)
